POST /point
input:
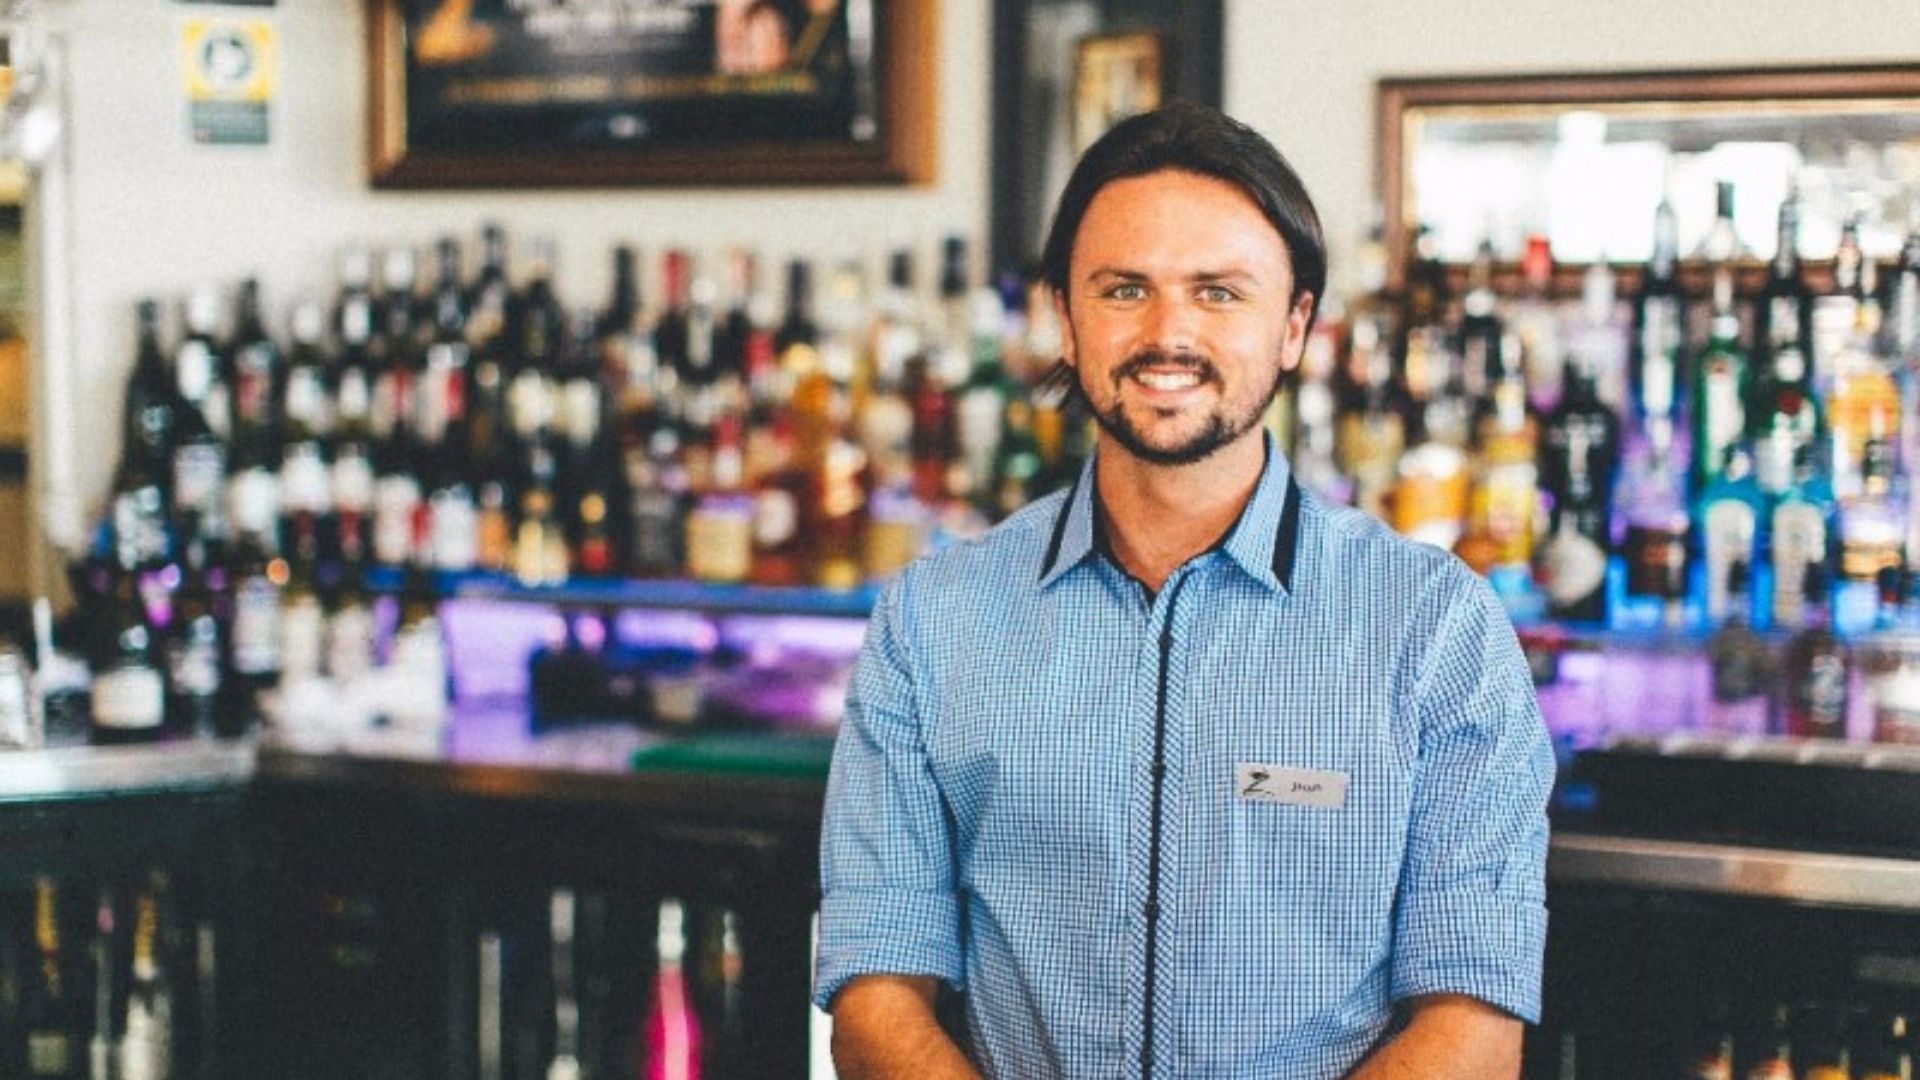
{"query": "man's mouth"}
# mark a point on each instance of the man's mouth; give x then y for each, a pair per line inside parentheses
(1153, 379)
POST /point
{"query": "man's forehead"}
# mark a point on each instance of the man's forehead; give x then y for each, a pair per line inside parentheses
(1187, 204)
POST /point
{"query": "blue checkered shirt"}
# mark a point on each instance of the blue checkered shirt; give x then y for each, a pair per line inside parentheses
(1073, 800)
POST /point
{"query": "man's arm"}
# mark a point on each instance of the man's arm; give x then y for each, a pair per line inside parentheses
(1448, 1037)
(884, 1028)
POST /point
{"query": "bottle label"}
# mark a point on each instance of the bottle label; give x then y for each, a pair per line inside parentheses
(1660, 340)
(194, 372)
(1576, 567)
(720, 539)
(443, 394)
(140, 526)
(350, 636)
(392, 401)
(307, 398)
(1725, 415)
(129, 698)
(776, 518)
(454, 530)
(50, 1053)
(304, 481)
(352, 481)
(253, 502)
(256, 626)
(1817, 697)
(302, 638)
(1799, 541)
(1656, 561)
(194, 659)
(253, 385)
(656, 532)
(977, 427)
(530, 403)
(199, 474)
(396, 498)
(353, 399)
(1729, 525)
(580, 408)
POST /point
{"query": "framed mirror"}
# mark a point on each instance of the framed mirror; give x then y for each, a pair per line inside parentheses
(1585, 159)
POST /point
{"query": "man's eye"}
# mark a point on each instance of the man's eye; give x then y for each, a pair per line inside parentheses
(1127, 292)
(1218, 294)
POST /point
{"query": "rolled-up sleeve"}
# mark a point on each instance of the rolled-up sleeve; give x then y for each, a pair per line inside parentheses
(1471, 913)
(888, 903)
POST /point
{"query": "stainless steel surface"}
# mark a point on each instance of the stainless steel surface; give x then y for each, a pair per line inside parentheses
(1774, 749)
(1732, 870)
(68, 771)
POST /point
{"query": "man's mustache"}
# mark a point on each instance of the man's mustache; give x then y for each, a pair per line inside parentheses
(1163, 360)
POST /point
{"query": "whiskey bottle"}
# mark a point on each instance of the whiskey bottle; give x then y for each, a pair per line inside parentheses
(49, 1012)
(1739, 663)
(1814, 673)
(719, 545)
(129, 702)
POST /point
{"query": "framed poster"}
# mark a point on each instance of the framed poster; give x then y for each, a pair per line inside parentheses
(1114, 76)
(565, 93)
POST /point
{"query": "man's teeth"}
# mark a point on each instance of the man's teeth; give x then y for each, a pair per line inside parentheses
(1168, 380)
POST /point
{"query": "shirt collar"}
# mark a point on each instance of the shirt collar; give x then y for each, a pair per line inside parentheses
(1264, 542)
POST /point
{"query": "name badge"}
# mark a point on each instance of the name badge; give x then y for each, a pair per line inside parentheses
(1290, 787)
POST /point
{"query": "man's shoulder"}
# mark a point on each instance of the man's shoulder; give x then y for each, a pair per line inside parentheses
(1008, 554)
(1363, 555)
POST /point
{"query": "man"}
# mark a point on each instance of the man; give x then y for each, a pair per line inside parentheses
(1184, 773)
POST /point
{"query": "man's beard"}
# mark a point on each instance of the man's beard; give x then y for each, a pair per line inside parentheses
(1219, 429)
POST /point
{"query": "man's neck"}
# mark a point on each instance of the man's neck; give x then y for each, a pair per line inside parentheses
(1159, 516)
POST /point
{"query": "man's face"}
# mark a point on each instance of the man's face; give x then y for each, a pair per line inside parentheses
(1178, 314)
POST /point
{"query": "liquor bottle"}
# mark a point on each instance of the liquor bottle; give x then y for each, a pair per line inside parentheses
(656, 506)
(1016, 470)
(720, 523)
(129, 692)
(105, 953)
(302, 620)
(565, 1063)
(1801, 539)
(1889, 1054)
(307, 422)
(1537, 320)
(737, 326)
(1865, 403)
(1836, 312)
(1652, 502)
(254, 636)
(672, 1036)
(151, 414)
(580, 404)
(1814, 672)
(718, 996)
(1658, 330)
(350, 382)
(633, 375)
(397, 344)
(933, 439)
(1580, 450)
(1729, 518)
(1430, 494)
(1597, 335)
(1505, 494)
(146, 1041)
(49, 1013)
(836, 513)
(1721, 244)
(1902, 303)
(350, 629)
(1481, 329)
(1314, 456)
(199, 362)
(399, 514)
(779, 494)
(150, 419)
(440, 403)
(256, 376)
(885, 415)
(981, 403)
(672, 330)
(540, 541)
(542, 337)
(492, 340)
(1783, 413)
(1739, 664)
(196, 643)
(1871, 529)
(1372, 431)
(1719, 389)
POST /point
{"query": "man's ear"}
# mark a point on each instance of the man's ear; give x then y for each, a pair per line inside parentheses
(1294, 345)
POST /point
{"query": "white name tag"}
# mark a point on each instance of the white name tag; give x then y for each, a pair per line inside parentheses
(1290, 787)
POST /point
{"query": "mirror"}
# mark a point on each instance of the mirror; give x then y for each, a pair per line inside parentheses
(1586, 159)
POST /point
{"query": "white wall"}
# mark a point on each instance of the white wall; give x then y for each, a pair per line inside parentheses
(153, 213)
(1303, 72)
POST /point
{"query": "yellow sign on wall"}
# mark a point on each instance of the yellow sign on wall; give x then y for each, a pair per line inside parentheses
(229, 69)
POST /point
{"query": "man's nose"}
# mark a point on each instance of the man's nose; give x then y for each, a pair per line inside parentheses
(1172, 324)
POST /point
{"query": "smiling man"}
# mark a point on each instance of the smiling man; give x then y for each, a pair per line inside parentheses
(1182, 772)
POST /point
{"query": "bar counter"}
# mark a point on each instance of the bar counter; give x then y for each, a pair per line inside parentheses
(1681, 814)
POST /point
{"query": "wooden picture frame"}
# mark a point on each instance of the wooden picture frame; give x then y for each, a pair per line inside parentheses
(471, 94)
